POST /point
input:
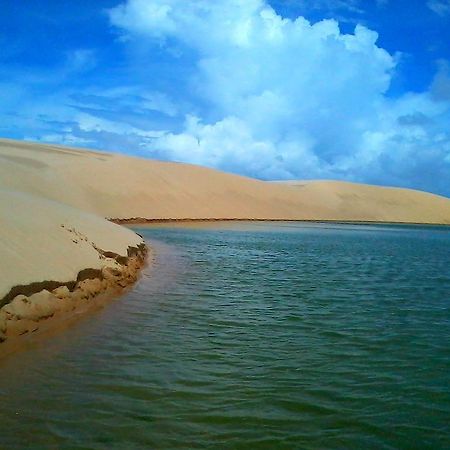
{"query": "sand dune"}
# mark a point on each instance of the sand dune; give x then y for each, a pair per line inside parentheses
(43, 240)
(117, 186)
(55, 258)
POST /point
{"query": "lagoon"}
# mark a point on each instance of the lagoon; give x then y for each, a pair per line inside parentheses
(251, 336)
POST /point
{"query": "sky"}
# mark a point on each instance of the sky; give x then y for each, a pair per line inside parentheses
(355, 90)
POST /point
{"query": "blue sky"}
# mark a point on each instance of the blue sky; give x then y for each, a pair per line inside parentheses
(355, 90)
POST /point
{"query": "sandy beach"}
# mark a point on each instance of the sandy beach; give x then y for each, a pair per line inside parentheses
(59, 251)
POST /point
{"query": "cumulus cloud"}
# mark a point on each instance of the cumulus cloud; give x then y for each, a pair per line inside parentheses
(234, 85)
(230, 145)
(287, 98)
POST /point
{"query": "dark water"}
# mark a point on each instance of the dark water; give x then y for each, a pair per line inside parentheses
(265, 337)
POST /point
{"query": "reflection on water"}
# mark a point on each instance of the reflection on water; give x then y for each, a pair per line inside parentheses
(263, 336)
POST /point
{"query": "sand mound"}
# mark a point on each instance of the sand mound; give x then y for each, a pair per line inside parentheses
(54, 257)
(117, 186)
(43, 240)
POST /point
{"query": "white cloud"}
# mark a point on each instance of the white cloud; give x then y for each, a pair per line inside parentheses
(287, 81)
(230, 145)
(289, 99)
(248, 91)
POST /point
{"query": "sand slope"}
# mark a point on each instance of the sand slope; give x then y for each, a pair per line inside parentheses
(56, 262)
(116, 186)
(43, 241)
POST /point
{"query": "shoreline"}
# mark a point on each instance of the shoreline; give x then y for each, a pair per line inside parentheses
(39, 308)
(145, 221)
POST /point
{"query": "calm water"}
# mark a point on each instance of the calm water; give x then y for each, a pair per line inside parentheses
(264, 337)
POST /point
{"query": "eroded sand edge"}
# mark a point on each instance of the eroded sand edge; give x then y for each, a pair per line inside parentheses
(39, 306)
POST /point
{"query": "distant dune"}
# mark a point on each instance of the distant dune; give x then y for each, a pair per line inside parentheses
(58, 251)
(121, 187)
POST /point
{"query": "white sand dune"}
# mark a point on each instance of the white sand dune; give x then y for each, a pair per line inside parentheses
(117, 186)
(55, 262)
(42, 240)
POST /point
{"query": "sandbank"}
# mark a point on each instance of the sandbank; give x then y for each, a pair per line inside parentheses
(57, 261)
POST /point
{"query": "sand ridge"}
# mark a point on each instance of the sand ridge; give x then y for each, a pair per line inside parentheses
(122, 187)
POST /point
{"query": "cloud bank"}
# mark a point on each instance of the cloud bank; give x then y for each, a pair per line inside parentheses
(234, 85)
(286, 98)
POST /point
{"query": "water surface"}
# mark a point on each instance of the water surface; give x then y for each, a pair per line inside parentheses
(256, 336)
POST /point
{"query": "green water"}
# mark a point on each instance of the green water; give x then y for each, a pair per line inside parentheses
(274, 336)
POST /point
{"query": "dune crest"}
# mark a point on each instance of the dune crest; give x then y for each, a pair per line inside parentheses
(122, 187)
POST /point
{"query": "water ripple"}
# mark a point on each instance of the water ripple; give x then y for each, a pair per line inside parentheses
(276, 337)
